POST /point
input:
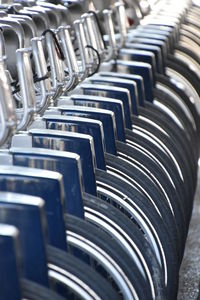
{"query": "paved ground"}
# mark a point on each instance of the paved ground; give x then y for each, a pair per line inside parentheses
(190, 268)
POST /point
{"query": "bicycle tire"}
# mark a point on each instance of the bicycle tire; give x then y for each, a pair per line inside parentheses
(82, 272)
(110, 248)
(173, 150)
(138, 199)
(190, 126)
(182, 68)
(33, 291)
(152, 192)
(165, 80)
(165, 162)
(189, 134)
(174, 133)
(117, 217)
(155, 171)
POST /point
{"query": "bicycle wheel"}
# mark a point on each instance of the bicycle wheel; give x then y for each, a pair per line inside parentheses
(163, 181)
(111, 220)
(107, 258)
(33, 291)
(132, 176)
(135, 207)
(149, 148)
(71, 277)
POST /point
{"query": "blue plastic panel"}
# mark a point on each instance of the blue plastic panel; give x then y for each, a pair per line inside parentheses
(173, 34)
(105, 116)
(123, 83)
(141, 56)
(165, 27)
(115, 106)
(167, 34)
(81, 125)
(156, 36)
(43, 184)
(168, 26)
(65, 163)
(136, 78)
(153, 36)
(111, 92)
(26, 213)
(146, 29)
(139, 68)
(72, 142)
(155, 50)
(9, 263)
(154, 42)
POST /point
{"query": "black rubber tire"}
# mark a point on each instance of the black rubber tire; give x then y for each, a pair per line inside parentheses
(184, 168)
(163, 159)
(172, 138)
(189, 105)
(33, 291)
(109, 246)
(82, 271)
(184, 165)
(165, 80)
(155, 172)
(182, 68)
(131, 229)
(173, 133)
(176, 135)
(157, 158)
(188, 52)
(137, 201)
(148, 163)
(140, 180)
(188, 134)
(172, 148)
(189, 34)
